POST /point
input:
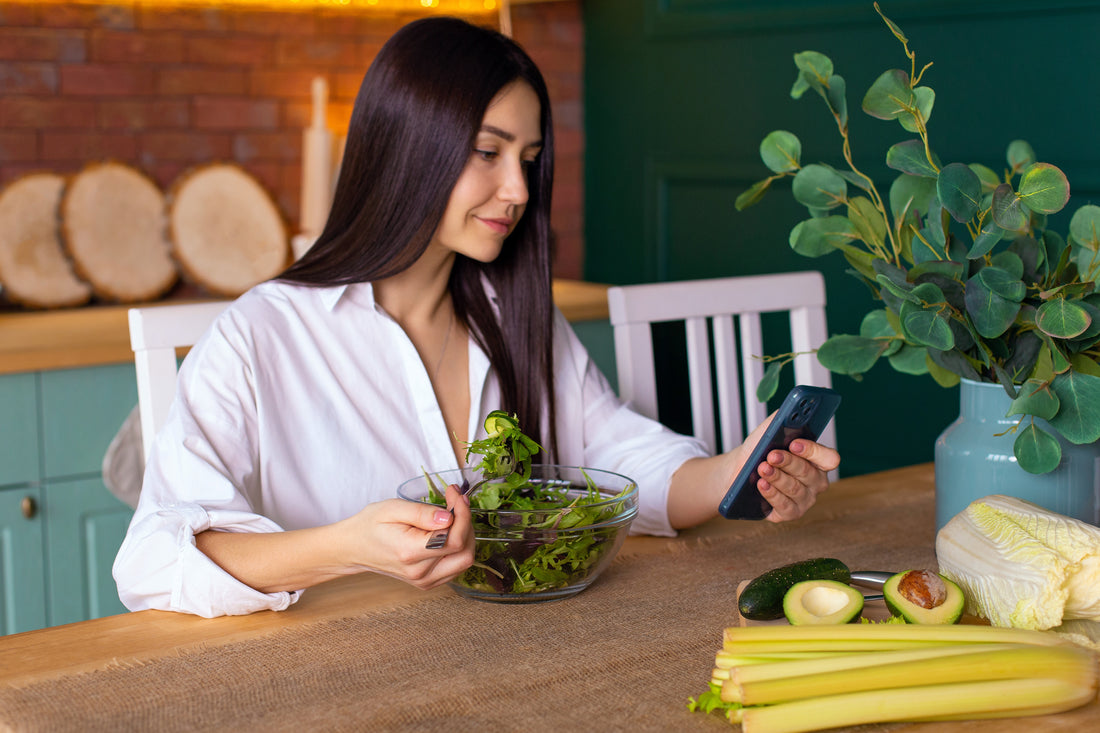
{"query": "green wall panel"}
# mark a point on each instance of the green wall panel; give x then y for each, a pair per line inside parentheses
(19, 456)
(82, 410)
(679, 93)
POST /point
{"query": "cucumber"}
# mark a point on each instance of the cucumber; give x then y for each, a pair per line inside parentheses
(762, 598)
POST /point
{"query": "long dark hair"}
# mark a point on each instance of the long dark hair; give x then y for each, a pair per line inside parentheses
(412, 130)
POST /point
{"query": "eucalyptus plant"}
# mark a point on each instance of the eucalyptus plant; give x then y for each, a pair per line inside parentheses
(971, 281)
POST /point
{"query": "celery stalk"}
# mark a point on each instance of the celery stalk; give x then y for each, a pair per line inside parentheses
(1012, 662)
(963, 700)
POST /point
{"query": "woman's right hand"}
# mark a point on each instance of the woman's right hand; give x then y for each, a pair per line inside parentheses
(388, 537)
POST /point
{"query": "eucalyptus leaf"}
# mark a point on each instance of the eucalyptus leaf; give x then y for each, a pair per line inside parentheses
(1077, 420)
(817, 237)
(1036, 450)
(924, 98)
(986, 175)
(986, 240)
(848, 354)
(1044, 188)
(1008, 211)
(912, 193)
(816, 68)
(1010, 263)
(819, 187)
(1085, 365)
(837, 99)
(753, 195)
(910, 360)
(877, 325)
(1019, 155)
(1062, 319)
(1084, 227)
(926, 326)
(959, 190)
(889, 95)
(769, 383)
(867, 220)
(947, 367)
(781, 151)
(909, 157)
(992, 300)
(1035, 398)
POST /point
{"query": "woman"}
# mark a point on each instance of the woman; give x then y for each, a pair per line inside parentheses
(424, 304)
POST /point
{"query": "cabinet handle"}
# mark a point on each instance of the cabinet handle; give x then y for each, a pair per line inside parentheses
(29, 506)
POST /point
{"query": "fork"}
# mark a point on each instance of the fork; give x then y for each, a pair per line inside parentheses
(439, 537)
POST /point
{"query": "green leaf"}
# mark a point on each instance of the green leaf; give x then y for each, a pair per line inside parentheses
(1085, 365)
(867, 220)
(1044, 188)
(910, 360)
(923, 100)
(847, 354)
(986, 175)
(986, 240)
(909, 157)
(1062, 318)
(769, 383)
(862, 262)
(992, 300)
(1077, 420)
(876, 325)
(817, 237)
(1036, 450)
(753, 195)
(914, 192)
(837, 99)
(781, 151)
(819, 187)
(1035, 398)
(1011, 263)
(1019, 155)
(889, 96)
(815, 69)
(1008, 211)
(944, 376)
(926, 326)
(959, 189)
(1084, 227)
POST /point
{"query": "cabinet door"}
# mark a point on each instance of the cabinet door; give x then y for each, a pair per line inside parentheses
(85, 527)
(22, 581)
(19, 463)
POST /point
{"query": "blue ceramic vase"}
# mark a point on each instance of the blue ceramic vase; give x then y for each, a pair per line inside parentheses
(974, 459)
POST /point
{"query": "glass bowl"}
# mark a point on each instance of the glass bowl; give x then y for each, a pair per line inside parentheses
(548, 540)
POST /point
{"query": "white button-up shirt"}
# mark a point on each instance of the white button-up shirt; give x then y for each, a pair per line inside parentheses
(302, 405)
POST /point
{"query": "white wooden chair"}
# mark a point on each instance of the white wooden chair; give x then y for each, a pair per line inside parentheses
(737, 366)
(155, 334)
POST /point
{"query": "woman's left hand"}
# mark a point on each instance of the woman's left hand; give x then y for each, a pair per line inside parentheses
(790, 480)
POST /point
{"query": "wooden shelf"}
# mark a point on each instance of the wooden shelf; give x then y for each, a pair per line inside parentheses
(96, 335)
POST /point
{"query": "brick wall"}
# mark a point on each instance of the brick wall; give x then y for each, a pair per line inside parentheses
(164, 89)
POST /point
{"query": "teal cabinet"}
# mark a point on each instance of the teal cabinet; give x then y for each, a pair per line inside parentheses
(22, 567)
(59, 525)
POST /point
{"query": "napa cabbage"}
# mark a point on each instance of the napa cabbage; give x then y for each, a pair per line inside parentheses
(1021, 565)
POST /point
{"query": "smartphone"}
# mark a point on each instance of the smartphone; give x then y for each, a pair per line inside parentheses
(804, 414)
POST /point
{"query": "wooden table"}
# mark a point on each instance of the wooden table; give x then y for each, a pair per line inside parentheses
(878, 521)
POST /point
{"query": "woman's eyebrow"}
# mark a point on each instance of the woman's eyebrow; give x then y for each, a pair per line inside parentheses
(504, 134)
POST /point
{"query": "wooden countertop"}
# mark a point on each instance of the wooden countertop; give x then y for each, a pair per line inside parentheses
(95, 335)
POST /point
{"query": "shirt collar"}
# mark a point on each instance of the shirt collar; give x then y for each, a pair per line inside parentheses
(361, 293)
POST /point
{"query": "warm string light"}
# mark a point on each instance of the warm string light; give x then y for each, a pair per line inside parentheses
(454, 6)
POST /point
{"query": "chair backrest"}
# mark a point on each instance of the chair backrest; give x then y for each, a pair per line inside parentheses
(155, 334)
(737, 366)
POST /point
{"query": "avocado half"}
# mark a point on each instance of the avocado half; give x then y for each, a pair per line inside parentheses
(923, 597)
(821, 603)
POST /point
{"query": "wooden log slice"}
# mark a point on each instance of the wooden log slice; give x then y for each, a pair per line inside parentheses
(112, 219)
(34, 270)
(227, 234)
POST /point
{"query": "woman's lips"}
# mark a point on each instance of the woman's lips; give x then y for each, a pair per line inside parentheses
(500, 226)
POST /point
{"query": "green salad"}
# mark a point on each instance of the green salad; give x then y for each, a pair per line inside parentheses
(532, 535)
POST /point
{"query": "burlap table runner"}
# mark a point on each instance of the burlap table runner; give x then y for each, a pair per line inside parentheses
(624, 655)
